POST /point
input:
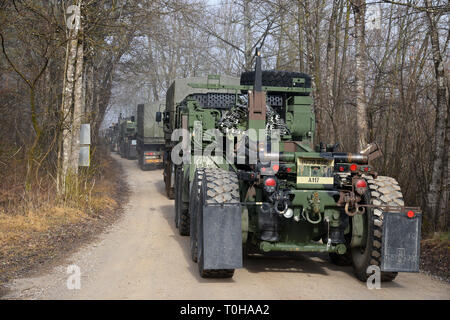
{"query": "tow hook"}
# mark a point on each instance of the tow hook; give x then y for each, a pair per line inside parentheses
(357, 209)
(351, 203)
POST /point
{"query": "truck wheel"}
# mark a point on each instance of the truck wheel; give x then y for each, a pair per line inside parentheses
(181, 213)
(194, 198)
(218, 187)
(381, 191)
(168, 176)
(141, 163)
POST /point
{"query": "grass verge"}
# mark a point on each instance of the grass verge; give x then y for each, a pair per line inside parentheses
(38, 237)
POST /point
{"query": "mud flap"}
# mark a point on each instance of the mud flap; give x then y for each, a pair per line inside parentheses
(400, 242)
(222, 237)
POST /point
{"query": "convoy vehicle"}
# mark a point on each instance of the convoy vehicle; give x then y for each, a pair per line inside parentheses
(304, 197)
(114, 137)
(127, 138)
(176, 95)
(150, 135)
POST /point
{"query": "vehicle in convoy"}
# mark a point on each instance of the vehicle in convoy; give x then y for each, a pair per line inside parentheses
(114, 137)
(108, 133)
(176, 95)
(305, 197)
(150, 136)
(127, 138)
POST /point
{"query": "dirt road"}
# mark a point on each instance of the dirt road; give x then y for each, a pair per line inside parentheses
(143, 257)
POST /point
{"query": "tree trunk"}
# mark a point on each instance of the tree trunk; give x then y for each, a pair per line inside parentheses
(78, 108)
(247, 35)
(65, 144)
(66, 108)
(359, 10)
(301, 50)
(438, 174)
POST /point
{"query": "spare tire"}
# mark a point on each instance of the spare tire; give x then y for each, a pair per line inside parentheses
(275, 78)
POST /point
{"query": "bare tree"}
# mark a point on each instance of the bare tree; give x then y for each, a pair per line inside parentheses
(359, 11)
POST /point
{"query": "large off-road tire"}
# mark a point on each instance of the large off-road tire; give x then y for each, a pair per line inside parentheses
(275, 78)
(194, 200)
(218, 187)
(182, 220)
(141, 163)
(381, 191)
(168, 176)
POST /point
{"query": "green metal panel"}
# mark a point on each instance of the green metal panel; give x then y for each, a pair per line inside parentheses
(180, 89)
(300, 117)
(148, 130)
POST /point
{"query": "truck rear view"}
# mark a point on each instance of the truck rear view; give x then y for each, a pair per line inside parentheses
(150, 136)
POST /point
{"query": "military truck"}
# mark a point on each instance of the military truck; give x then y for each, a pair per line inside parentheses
(150, 135)
(177, 92)
(303, 197)
(127, 138)
(108, 133)
(114, 137)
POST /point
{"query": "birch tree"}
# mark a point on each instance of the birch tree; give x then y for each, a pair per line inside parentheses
(67, 111)
(438, 189)
(362, 130)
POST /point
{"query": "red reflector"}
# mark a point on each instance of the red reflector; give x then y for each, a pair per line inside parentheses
(275, 167)
(341, 169)
(270, 182)
(288, 169)
(353, 167)
(410, 214)
(361, 184)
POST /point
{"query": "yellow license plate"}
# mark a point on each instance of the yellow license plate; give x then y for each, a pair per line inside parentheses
(315, 171)
(315, 180)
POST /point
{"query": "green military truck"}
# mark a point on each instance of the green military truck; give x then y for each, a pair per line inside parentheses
(303, 197)
(127, 138)
(150, 136)
(176, 94)
(114, 137)
(108, 134)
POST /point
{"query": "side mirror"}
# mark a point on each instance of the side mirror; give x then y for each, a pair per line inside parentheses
(158, 116)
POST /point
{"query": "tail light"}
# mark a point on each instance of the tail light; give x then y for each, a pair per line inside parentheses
(353, 167)
(270, 185)
(149, 153)
(361, 186)
(270, 182)
(410, 214)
